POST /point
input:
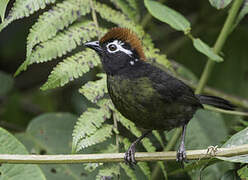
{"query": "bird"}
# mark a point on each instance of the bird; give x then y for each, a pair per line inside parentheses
(144, 93)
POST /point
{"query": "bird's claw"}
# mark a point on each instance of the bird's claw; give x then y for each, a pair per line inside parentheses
(130, 156)
(181, 156)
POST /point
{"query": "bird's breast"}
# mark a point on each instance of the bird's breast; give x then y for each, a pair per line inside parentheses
(138, 101)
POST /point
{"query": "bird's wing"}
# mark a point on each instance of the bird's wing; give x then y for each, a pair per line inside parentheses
(172, 90)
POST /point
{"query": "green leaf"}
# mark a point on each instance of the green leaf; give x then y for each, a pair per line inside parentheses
(50, 133)
(221, 78)
(162, 167)
(10, 145)
(133, 4)
(99, 136)
(220, 4)
(237, 139)
(24, 8)
(130, 173)
(71, 68)
(230, 175)
(125, 8)
(61, 44)
(108, 171)
(205, 49)
(3, 5)
(134, 130)
(89, 127)
(7, 83)
(168, 15)
(118, 18)
(205, 129)
(158, 137)
(243, 173)
(95, 90)
(59, 17)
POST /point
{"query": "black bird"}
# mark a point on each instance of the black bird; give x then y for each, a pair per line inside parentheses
(145, 94)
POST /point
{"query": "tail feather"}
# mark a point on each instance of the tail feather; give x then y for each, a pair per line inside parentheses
(215, 101)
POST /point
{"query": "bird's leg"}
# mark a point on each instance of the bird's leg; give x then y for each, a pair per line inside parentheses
(130, 154)
(181, 153)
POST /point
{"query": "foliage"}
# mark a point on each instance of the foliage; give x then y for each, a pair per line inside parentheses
(6, 83)
(239, 138)
(220, 4)
(243, 172)
(50, 133)
(10, 145)
(178, 22)
(3, 5)
(59, 33)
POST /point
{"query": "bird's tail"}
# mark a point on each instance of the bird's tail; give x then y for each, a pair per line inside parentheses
(215, 101)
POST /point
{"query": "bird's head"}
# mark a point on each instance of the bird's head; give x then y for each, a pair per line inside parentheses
(118, 49)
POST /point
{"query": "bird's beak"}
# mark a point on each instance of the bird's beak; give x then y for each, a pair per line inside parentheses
(94, 45)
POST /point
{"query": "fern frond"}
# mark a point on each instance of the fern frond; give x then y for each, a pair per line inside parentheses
(158, 137)
(118, 18)
(133, 4)
(71, 68)
(89, 123)
(61, 44)
(108, 171)
(142, 165)
(145, 169)
(60, 16)
(134, 130)
(90, 167)
(95, 90)
(125, 8)
(24, 8)
(99, 136)
(130, 173)
(162, 167)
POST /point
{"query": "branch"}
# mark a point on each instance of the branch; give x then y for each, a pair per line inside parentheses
(119, 157)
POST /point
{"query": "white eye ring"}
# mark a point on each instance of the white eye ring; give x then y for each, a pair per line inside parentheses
(116, 45)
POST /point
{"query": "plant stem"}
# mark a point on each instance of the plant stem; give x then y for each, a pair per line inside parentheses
(117, 138)
(94, 17)
(147, 18)
(119, 157)
(225, 31)
(169, 146)
(237, 113)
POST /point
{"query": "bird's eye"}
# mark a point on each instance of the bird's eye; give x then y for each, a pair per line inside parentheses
(112, 47)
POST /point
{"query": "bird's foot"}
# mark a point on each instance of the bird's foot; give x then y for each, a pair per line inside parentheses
(181, 156)
(130, 156)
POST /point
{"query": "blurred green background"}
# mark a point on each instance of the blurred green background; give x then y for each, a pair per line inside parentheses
(21, 99)
(24, 100)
